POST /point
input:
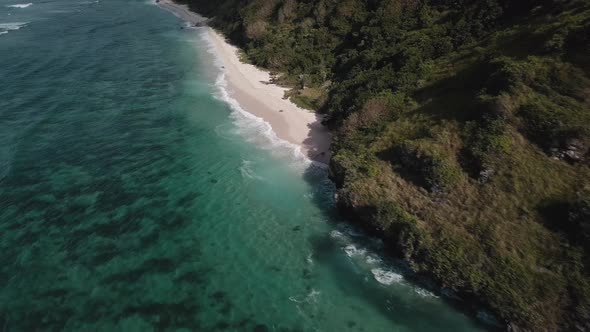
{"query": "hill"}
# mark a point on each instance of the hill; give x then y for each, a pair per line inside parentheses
(462, 134)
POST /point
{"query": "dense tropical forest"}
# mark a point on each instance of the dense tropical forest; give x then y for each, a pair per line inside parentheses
(462, 135)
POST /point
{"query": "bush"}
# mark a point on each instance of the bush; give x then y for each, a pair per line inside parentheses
(547, 125)
(378, 111)
(441, 174)
(486, 139)
(550, 97)
(402, 228)
(541, 123)
(428, 166)
(557, 42)
(506, 75)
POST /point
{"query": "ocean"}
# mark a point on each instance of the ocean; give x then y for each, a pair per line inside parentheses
(135, 195)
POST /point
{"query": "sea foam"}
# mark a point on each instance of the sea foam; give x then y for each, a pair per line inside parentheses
(363, 251)
(352, 251)
(6, 27)
(247, 171)
(13, 25)
(424, 293)
(255, 129)
(20, 5)
(386, 277)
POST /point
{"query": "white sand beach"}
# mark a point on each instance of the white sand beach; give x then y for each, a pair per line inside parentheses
(250, 87)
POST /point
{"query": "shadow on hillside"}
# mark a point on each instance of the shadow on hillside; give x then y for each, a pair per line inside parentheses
(453, 98)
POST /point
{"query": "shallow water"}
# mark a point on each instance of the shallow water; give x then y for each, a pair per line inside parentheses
(133, 197)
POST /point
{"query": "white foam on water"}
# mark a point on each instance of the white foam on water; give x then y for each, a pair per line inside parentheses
(364, 251)
(13, 25)
(254, 129)
(352, 251)
(313, 296)
(373, 260)
(20, 5)
(364, 256)
(248, 172)
(386, 277)
(337, 235)
(223, 130)
(6, 27)
(424, 293)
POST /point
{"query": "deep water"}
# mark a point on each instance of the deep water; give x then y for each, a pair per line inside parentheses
(133, 198)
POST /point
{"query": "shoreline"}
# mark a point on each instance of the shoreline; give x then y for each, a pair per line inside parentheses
(250, 86)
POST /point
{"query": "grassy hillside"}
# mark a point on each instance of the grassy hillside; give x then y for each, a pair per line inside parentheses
(462, 134)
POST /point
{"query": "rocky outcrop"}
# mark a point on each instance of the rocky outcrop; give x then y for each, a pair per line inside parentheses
(574, 151)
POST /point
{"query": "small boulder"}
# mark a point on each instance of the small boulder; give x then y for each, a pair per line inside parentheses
(485, 175)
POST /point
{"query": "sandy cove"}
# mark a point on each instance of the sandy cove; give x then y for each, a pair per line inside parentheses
(250, 87)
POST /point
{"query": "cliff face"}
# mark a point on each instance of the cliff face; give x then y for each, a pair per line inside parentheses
(462, 134)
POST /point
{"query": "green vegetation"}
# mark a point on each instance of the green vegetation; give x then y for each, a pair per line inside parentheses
(462, 134)
(308, 98)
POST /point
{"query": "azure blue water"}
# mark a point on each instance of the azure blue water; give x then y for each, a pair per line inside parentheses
(134, 197)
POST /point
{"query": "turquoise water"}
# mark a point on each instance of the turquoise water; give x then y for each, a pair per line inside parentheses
(133, 198)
